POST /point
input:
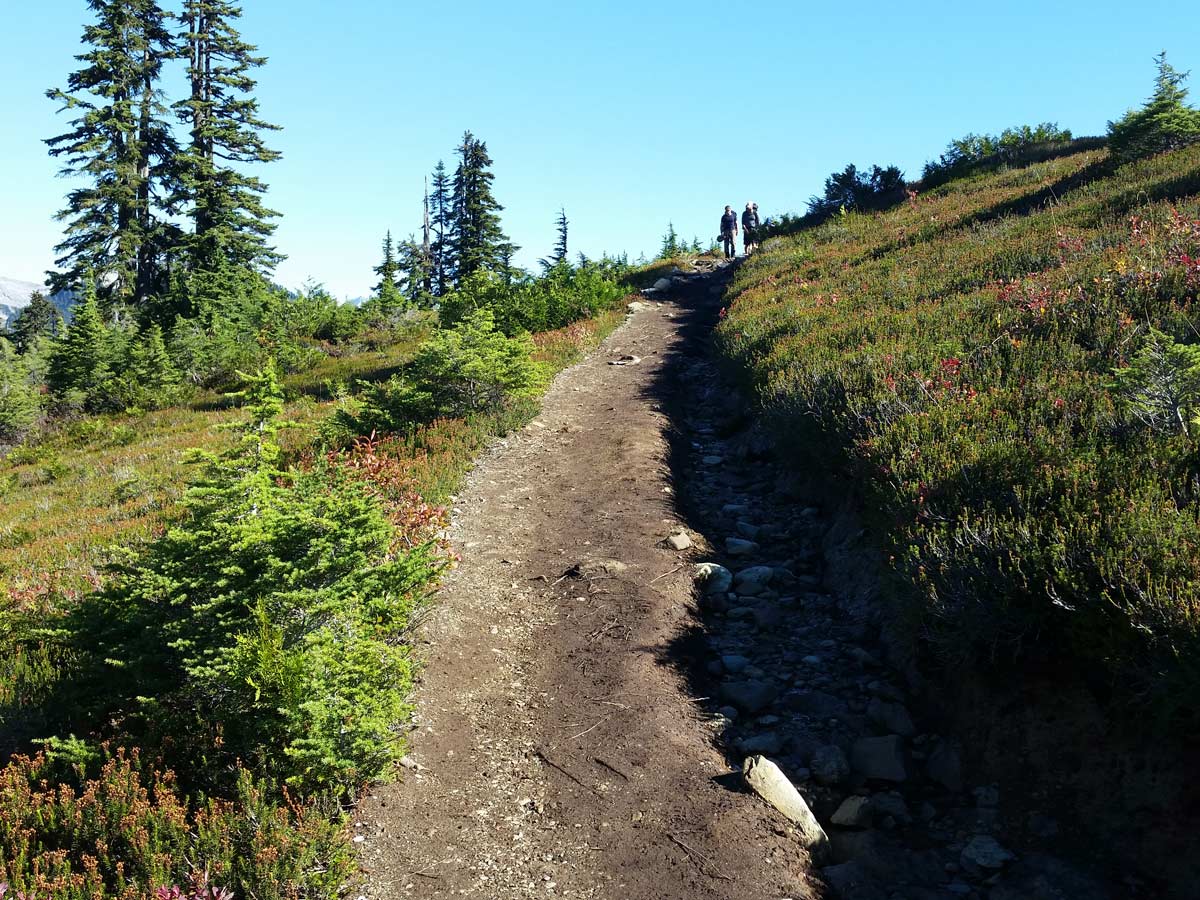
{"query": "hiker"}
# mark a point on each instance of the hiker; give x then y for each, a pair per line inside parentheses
(750, 225)
(729, 230)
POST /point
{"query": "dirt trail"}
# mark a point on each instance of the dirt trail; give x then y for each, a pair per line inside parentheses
(560, 752)
(580, 720)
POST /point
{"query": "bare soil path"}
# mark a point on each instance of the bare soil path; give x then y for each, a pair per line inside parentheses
(560, 752)
(581, 720)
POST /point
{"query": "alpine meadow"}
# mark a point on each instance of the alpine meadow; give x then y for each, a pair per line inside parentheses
(852, 552)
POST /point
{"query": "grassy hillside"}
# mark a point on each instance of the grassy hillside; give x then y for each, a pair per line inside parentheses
(1006, 366)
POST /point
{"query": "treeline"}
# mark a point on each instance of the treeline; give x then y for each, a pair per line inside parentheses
(463, 261)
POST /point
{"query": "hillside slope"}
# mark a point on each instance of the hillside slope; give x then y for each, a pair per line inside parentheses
(1003, 371)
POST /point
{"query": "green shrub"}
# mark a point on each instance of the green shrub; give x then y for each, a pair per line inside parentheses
(264, 626)
(469, 369)
(1165, 123)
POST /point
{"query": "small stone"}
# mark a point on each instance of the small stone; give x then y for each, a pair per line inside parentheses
(862, 657)
(892, 718)
(740, 546)
(734, 662)
(880, 757)
(855, 812)
(712, 460)
(749, 696)
(679, 541)
(985, 852)
(735, 509)
(716, 579)
(748, 530)
(663, 284)
(829, 765)
(766, 742)
(891, 804)
(753, 580)
(811, 660)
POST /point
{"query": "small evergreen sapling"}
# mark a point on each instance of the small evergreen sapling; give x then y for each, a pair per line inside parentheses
(273, 611)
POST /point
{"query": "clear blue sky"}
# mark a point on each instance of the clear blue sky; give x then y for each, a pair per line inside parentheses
(628, 114)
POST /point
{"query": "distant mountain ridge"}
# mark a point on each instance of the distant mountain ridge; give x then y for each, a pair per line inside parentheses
(15, 294)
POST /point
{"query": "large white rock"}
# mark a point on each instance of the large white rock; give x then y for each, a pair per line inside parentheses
(766, 780)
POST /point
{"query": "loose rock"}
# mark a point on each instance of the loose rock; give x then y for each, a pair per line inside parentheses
(766, 780)
(749, 696)
(855, 812)
(880, 757)
(753, 580)
(679, 541)
(716, 579)
(829, 765)
(985, 852)
(740, 546)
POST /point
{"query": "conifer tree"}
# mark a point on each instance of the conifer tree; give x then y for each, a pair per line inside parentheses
(415, 265)
(1165, 123)
(387, 291)
(122, 145)
(40, 318)
(81, 361)
(150, 368)
(560, 247)
(476, 239)
(231, 224)
(440, 208)
(19, 406)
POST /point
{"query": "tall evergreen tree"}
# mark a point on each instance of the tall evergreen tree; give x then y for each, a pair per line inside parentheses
(387, 291)
(81, 361)
(476, 239)
(231, 223)
(40, 318)
(388, 268)
(440, 210)
(560, 246)
(415, 265)
(121, 143)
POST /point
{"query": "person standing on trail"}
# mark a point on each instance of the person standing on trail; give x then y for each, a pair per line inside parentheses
(729, 230)
(750, 225)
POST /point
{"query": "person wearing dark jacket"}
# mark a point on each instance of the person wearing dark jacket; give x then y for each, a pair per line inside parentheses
(750, 225)
(729, 230)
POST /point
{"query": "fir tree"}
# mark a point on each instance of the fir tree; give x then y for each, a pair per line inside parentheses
(388, 296)
(415, 266)
(231, 223)
(81, 360)
(19, 406)
(476, 239)
(122, 145)
(440, 209)
(149, 369)
(40, 318)
(1165, 123)
(670, 243)
(559, 255)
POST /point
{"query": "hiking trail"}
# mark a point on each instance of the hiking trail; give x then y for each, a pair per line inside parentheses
(584, 706)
